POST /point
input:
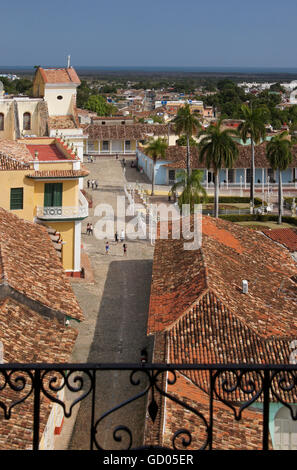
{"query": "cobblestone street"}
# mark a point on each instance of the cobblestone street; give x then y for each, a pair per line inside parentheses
(115, 308)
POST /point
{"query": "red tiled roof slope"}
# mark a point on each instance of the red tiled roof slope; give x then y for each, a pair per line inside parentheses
(28, 337)
(16, 151)
(284, 236)
(220, 265)
(63, 75)
(178, 156)
(29, 264)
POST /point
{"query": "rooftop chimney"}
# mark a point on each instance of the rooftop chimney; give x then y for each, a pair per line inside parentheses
(245, 286)
(68, 61)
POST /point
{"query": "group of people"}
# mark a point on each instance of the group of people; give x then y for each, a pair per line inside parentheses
(107, 247)
(92, 184)
(90, 159)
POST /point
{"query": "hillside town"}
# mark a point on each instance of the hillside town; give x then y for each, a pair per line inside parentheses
(91, 176)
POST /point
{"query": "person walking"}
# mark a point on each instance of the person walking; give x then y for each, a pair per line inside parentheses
(91, 229)
(125, 249)
(88, 229)
(122, 235)
(107, 248)
(88, 183)
(96, 184)
(116, 237)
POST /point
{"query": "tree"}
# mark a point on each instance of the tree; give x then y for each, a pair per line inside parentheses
(99, 105)
(156, 149)
(279, 154)
(182, 141)
(253, 127)
(193, 191)
(218, 149)
(186, 123)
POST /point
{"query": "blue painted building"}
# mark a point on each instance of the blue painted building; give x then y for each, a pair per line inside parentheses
(166, 170)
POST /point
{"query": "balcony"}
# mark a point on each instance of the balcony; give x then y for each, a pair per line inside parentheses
(264, 385)
(64, 212)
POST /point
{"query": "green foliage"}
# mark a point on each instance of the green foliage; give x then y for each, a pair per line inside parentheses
(218, 147)
(278, 152)
(19, 86)
(193, 190)
(83, 94)
(99, 105)
(235, 199)
(185, 122)
(259, 218)
(156, 148)
(182, 141)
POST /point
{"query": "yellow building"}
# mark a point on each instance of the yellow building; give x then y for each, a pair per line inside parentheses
(39, 180)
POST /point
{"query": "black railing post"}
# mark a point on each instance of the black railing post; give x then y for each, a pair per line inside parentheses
(210, 429)
(36, 410)
(266, 388)
(92, 437)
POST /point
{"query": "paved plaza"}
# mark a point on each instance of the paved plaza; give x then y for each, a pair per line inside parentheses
(115, 308)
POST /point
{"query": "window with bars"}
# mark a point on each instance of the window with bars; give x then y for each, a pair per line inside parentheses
(1, 122)
(27, 121)
(16, 198)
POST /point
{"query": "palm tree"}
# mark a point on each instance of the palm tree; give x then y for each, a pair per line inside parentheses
(218, 149)
(186, 123)
(279, 154)
(253, 127)
(193, 191)
(156, 149)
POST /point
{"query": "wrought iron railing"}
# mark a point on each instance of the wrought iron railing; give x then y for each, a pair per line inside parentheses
(238, 387)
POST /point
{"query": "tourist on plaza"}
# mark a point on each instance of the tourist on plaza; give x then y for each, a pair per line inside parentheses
(122, 235)
(88, 183)
(125, 248)
(117, 156)
(116, 237)
(91, 229)
(96, 184)
(88, 229)
(124, 163)
(107, 248)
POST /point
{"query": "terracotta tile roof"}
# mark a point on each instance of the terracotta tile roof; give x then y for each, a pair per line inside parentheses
(30, 267)
(129, 132)
(61, 122)
(229, 254)
(222, 326)
(8, 163)
(28, 337)
(177, 155)
(59, 174)
(212, 334)
(63, 75)
(284, 236)
(14, 151)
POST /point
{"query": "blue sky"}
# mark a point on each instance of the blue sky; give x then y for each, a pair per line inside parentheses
(150, 33)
